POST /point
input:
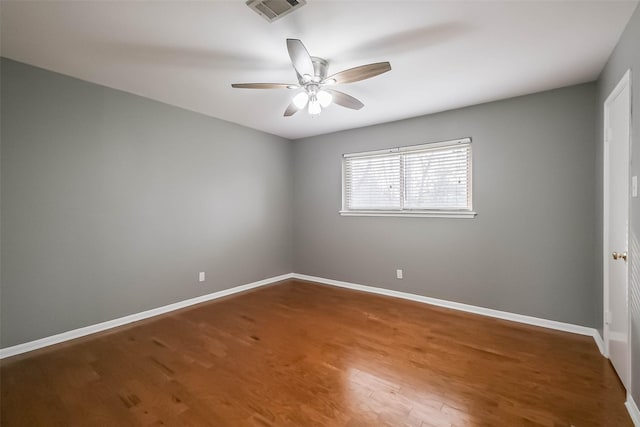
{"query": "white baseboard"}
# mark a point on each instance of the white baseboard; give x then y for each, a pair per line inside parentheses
(599, 341)
(634, 412)
(87, 330)
(520, 318)
(92, 329)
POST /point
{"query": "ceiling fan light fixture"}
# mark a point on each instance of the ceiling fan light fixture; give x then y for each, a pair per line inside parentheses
(300, 100)
(325, 98)
(312, 79)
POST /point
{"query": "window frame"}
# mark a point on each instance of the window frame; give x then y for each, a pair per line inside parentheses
(403, 212)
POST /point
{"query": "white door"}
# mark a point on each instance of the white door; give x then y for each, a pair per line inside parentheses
(617, 110)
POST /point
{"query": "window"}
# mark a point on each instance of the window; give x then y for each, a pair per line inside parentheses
(421, 180)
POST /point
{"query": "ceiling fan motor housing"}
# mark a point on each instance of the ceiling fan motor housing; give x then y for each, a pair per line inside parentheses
(320, 66)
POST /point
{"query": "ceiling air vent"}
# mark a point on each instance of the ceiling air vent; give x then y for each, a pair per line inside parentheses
(275, 9)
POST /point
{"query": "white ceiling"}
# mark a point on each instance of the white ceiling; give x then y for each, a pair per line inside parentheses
(444, 54)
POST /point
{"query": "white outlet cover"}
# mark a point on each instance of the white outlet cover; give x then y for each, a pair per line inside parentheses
(398, 274)
(201, 276)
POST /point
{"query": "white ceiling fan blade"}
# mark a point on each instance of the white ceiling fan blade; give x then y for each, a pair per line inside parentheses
(264, 86)
(358, 73)
(291, 110)
(344, 100)
(300, 58)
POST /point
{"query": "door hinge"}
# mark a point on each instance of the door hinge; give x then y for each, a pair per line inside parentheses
(607, 317)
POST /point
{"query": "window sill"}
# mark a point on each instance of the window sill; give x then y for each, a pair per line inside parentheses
(412, 214)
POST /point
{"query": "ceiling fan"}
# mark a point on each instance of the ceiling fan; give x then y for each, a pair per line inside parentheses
(316, 92)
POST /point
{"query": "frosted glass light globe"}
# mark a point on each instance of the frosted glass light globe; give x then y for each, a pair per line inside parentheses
(314, 106)
(300, 100)
(325, 98)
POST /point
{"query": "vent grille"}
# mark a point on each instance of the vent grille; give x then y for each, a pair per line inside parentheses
(272, 10)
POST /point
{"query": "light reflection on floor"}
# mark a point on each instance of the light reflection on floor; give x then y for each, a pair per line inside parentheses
(377, 398)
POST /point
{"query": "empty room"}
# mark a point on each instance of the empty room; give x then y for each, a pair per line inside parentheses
(319, 213)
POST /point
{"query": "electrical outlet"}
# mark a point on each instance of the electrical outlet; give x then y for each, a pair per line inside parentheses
(398, 274)
(201, 276)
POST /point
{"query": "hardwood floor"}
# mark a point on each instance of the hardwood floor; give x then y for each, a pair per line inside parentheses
(301, 354)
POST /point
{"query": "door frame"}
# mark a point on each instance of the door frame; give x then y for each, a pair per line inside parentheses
(624, 82)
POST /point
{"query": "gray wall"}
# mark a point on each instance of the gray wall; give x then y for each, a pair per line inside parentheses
(529, 250)
(625, 56)
(112, 203)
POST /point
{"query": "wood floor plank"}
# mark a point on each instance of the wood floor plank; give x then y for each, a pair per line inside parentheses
(303, 354)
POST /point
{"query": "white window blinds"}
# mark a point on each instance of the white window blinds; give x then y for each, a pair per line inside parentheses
(426, 178)
(374, 182)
